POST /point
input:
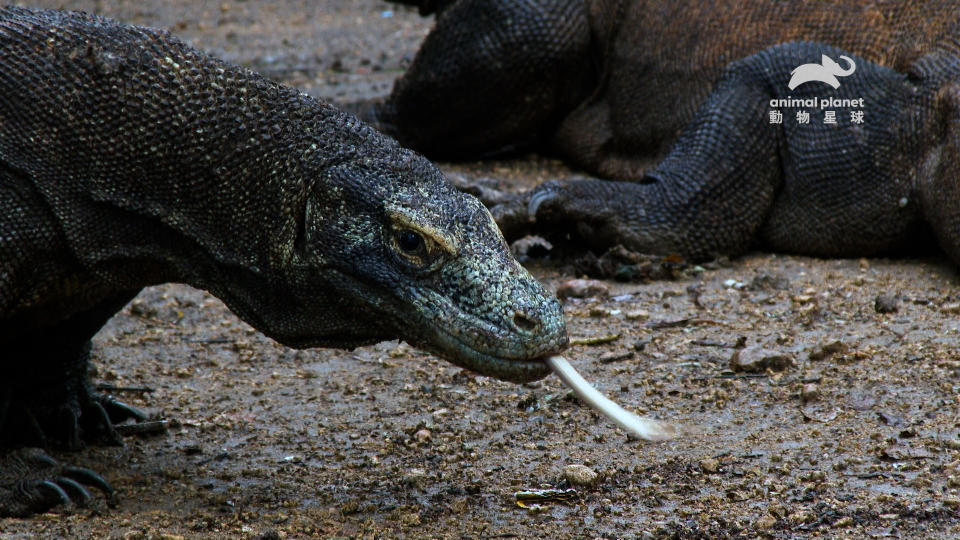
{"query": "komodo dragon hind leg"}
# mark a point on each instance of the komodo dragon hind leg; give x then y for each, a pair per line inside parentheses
(31, 481)
(708, 197)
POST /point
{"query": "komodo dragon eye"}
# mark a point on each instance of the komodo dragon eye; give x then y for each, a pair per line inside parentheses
(415, 248)
(410, 242)
(418, 244)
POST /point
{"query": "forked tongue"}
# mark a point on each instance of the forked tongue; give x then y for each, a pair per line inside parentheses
(636, 426)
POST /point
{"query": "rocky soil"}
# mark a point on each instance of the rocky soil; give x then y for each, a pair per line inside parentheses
(820, 398)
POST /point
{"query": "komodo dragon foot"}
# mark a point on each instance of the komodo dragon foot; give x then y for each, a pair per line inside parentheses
(53, 407)
(31, 482)
(60, 408)
(596, 209)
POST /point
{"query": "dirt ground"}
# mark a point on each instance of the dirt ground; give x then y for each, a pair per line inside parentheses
(851, 431)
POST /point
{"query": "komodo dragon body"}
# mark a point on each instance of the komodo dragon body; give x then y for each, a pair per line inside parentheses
(609, 84)
(129, 159)
(733, 179)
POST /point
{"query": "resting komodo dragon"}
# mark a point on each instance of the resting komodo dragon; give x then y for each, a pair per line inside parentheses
(128, 159)
(608, 83)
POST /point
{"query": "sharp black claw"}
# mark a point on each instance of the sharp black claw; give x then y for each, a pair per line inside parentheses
(89, 478)
(105, 425)
(537, 200)
(77, 492)
(39, 457)
(52, 490)
(120, 411)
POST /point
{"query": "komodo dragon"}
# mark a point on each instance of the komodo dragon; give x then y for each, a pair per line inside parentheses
(733, 180)
(129, 159)
(608, 84)
(763, 165)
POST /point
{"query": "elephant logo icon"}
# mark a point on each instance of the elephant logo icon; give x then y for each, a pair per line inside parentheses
(826, 71)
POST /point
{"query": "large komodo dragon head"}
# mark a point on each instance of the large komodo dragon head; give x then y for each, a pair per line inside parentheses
(389, 249)
(161, 163)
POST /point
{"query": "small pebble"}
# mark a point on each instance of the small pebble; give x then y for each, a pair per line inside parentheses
(582, 288)
(951, 308)
(757, 360)
(580, 475)
(710, 465)
(410, 519)
(886, 303)
(767, 281)
(414, 477)
(829, 349)
(615, 356)
(845, 521)
(640, 315)
(809, 392)
(765, 522)
(423, 435)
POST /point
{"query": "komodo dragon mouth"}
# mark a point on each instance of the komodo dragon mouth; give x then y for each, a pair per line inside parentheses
(509, 338)
(517, 369)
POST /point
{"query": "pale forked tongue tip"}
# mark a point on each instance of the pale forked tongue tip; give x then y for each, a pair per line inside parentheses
(635, 426)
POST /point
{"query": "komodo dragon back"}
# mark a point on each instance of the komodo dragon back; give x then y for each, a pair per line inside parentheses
(129, 159)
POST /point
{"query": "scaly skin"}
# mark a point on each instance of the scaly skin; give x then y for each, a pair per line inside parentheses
(609, 84)
(128, 159)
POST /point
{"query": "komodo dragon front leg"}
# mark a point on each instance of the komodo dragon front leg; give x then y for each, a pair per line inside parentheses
(735, 180)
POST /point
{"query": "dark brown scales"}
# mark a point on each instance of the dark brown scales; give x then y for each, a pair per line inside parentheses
(734, 180)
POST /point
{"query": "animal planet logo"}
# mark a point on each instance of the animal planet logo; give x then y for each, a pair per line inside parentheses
(826, 71)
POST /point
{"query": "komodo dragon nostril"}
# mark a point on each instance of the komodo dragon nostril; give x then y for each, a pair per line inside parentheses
(524, 323)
